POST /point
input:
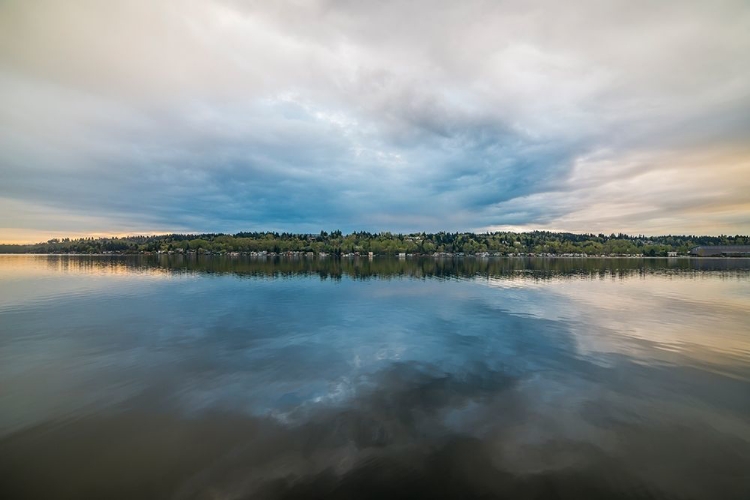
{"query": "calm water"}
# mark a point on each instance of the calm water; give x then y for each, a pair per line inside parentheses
(508, 378)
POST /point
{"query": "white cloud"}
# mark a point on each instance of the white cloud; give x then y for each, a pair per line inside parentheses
(220, 115)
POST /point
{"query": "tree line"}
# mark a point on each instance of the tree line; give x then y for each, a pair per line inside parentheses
(385, 243)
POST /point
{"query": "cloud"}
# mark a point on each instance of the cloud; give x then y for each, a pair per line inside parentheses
(225, 116)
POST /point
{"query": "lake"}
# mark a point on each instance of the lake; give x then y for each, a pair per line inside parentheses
(231, 378)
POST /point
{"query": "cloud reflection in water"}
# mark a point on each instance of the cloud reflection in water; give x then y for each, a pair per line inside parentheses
(216, 385)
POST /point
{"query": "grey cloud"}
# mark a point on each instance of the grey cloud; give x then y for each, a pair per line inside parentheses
(244, 115)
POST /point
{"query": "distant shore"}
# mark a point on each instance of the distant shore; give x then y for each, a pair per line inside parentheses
(271, 255)
(363, 244)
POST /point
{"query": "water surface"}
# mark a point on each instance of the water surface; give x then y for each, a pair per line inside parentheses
(218, 377)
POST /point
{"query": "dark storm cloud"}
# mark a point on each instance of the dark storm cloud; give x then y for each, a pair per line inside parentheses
(225, 116)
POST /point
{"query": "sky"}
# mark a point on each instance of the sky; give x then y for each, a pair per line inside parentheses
(153, 116)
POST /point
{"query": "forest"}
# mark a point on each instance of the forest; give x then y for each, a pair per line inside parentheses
(336, 243)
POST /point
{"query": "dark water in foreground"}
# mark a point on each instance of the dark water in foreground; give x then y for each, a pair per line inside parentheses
(235, 378)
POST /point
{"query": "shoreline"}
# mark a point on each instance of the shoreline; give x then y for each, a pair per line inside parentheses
(302, 255)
